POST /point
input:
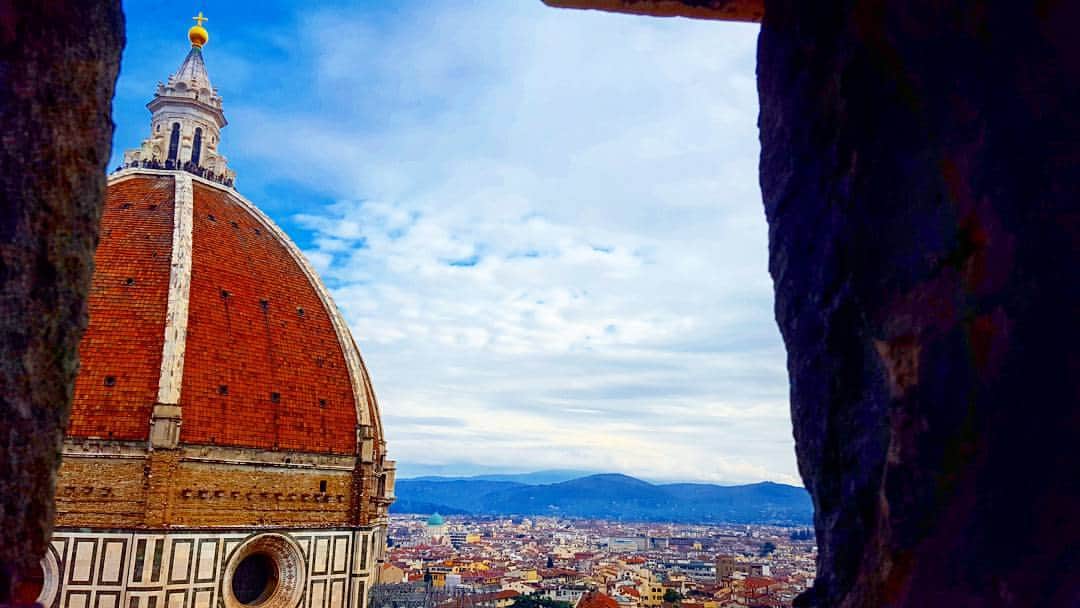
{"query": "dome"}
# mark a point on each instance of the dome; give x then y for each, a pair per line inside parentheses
(267, 361)
(223, 426)
(436, 520)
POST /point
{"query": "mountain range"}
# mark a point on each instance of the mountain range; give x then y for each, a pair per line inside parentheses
(606, 496)
(533, 479)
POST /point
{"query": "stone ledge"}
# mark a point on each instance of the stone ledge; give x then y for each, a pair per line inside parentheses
(723, 10)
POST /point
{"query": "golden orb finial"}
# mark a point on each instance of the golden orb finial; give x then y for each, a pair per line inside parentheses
(198, 34)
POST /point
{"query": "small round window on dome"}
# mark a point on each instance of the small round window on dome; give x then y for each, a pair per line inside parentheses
(255, 579)
(110, 381)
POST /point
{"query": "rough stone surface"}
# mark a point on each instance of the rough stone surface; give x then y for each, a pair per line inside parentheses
(163, 490)
(919, 172)
(58, 67)
(727, 10)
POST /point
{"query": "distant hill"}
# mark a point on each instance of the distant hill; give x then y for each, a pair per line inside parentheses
(608, 496)
(533, 479)
(404, 505)
(462, 494)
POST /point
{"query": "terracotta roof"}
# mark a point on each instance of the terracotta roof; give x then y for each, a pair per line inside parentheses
(263, 363)
(558, 572)
(257, 327)
(120, 353)
(595, 599)
(758, 582)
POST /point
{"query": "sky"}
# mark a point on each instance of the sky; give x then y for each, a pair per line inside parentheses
(543, 226)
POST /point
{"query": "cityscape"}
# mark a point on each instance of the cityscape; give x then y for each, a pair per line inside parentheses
(496, 562)
(490, 306)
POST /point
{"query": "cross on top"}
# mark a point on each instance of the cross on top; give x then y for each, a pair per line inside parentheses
(199, 19)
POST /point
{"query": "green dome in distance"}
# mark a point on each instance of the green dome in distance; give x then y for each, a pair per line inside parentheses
(436, 520)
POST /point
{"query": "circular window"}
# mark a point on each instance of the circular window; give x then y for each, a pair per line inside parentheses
(265, 571)
(255, 579)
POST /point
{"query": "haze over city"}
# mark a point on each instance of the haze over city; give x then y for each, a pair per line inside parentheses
(545, 262)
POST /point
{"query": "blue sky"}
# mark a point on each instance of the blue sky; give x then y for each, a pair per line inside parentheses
(543, 226)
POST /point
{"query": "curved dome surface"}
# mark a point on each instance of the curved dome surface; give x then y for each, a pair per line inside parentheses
(265, 360)
(120, 352)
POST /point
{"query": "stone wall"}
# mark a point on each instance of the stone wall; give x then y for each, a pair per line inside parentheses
(919, 172)
(118, 485)
(58, 67)
(100, 492)
(246, 496)
(728, 10)
(331, 568)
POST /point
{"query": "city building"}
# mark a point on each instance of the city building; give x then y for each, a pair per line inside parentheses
(563, 559)
(224, 447)
(458, 538)
(651, 593)
(725, 567)
(389, 574)
(627, 544)
(436, 529)
(570, 594)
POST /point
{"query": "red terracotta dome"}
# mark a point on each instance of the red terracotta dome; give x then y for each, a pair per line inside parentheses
(204, 305)
(224, 445)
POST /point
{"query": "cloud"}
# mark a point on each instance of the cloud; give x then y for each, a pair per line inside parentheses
(543, 226)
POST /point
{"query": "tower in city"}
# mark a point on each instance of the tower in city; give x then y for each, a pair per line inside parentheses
(225, 446)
